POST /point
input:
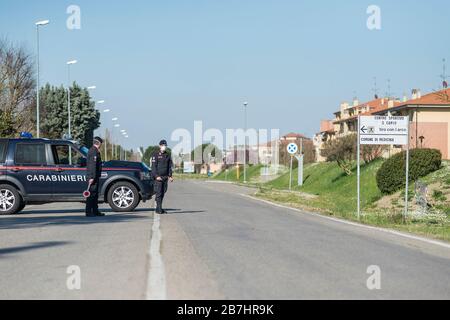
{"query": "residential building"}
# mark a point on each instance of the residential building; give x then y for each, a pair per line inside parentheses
(429, 116)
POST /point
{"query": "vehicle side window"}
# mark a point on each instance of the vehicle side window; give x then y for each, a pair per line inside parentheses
(3, 147)
(30, 154)
(62, 155)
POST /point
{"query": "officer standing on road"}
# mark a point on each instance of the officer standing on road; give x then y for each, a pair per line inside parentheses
(162, 173)
(93, 174)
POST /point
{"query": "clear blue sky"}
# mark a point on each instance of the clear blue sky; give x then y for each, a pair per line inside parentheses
(160, 65)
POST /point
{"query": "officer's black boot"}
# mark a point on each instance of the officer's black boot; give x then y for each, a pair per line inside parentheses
(158, 207)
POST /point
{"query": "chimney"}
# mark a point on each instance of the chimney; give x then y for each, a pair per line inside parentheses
(390, 103)
(414, 94)
(355, 102)
(344, 106)
(382, 101)
(419, 94)
(405, 98)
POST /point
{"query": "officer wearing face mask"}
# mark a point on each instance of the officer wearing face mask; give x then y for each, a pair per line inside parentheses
(162, 174)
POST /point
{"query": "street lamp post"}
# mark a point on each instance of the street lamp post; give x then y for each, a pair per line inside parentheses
(69, 63)
(116, 144)
(123, 151)
(245, 141)
(112, 137)
(106, 133)
(125, 135)
(38, 24)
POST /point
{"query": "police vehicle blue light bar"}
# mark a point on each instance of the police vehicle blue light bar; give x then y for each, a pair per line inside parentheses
(26, 135)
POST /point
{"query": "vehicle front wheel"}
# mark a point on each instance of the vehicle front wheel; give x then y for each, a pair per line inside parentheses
(10, 200)
(123, 197)
(22, 206)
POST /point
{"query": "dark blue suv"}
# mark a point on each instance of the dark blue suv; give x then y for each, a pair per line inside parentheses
(38, 171)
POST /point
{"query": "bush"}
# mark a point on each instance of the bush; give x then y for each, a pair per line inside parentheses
(391, 175)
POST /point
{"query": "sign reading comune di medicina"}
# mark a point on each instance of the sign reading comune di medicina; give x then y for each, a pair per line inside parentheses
(388, 130)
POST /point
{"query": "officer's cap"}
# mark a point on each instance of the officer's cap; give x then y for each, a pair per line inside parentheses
(98, 139)
(163, 143)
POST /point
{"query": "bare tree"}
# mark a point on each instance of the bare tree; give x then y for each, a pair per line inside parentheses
(343, 151)
(17, 88)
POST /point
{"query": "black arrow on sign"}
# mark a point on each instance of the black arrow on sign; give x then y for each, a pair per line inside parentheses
(364, 129)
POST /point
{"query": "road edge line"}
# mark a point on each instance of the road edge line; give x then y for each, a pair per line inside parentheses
(156, 277)
(394, 232)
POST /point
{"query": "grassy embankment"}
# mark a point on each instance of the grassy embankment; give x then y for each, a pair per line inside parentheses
(253, 174)
(327, 190)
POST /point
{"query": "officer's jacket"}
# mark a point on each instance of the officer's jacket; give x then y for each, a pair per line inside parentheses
(161, 165)
(94, 164)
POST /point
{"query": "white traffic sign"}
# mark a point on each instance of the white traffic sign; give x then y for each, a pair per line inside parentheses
(188, 167)
(292, 148)
(383, 130)
(377, 130)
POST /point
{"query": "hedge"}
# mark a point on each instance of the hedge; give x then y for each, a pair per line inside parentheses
(391, 175)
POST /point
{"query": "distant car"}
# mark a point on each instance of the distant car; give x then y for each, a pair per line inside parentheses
(38, 171)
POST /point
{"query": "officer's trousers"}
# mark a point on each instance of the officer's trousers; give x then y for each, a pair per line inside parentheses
(160, 188)
(92, 201)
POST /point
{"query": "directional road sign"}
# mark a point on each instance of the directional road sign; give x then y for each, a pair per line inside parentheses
(383, 130)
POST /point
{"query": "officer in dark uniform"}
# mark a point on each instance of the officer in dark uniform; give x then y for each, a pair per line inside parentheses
(93, 174)
(162, 173)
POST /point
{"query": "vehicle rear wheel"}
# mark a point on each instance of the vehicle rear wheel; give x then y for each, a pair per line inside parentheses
(123, 197)
(10, 200)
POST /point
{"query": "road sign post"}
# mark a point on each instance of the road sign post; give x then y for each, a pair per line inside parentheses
(292, 149)
(358, 156)
(407, 177)
(382, 130)
(290, 174)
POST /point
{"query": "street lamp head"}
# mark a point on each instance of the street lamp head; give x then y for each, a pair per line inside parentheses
(117, 125)
(92, 88)
(245, 104)
(101, 102)
(72, 62)
(115, 119)
(107, 110)
(42, 23)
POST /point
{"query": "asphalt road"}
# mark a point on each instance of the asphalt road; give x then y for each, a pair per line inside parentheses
(214, 243)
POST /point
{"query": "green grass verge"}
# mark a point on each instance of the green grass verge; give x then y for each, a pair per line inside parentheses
(334, 191)
(327, 190)
(253, 173)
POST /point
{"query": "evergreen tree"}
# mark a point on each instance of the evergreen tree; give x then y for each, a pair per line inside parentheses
(84, 117)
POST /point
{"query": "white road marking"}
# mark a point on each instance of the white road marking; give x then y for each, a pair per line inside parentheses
(156, 278)
(397, 233)
(219, 182)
